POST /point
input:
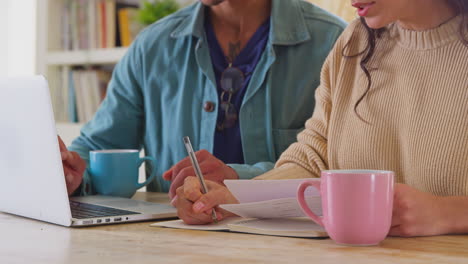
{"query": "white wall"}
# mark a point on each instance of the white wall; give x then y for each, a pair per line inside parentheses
(17, 37)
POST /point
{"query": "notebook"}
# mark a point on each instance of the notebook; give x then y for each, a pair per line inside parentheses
(287, 227)
(267, 207)
(32, 183)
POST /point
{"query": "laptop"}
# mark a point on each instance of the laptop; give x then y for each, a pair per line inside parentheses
(32, 182)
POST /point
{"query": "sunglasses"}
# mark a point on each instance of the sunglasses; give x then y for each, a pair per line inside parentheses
(232, 80)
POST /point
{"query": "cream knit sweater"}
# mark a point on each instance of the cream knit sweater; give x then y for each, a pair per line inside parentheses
(417, 109)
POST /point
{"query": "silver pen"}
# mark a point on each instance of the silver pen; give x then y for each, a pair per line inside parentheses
(198, 172)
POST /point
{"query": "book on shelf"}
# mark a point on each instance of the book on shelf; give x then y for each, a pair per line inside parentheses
(128, 26)
(59, 98)
(81, 115)
(80, 94)
(110, 26)
(100, 23)
(65, 27)
(74, 31)
(94, 24)
(82, 21)
(72, 114)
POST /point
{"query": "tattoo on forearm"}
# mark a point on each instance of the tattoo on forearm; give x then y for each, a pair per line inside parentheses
(234, 50)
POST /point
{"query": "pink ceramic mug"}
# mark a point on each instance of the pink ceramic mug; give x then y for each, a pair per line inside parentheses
(356, 204)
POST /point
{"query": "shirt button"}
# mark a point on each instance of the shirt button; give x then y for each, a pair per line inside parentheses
(209, 106)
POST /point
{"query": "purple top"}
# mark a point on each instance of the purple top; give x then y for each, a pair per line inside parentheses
(228, 142)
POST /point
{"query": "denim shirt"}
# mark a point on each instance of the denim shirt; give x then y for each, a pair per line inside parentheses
(159, 88)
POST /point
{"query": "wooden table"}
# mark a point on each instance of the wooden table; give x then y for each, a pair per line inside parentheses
(28, 241)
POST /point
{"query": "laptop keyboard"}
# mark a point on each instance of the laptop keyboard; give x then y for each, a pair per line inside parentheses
(84, 210)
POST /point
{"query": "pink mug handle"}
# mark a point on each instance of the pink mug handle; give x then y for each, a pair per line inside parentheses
(303, 204)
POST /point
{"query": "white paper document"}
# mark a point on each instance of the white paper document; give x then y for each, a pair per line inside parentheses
(277, 208)
(270, 198)
(247, 191)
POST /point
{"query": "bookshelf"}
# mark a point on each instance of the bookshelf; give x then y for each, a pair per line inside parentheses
(55, 57)
(85, 57)
(78, 43)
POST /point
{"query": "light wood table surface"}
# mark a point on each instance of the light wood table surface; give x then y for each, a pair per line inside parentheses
(24, 240)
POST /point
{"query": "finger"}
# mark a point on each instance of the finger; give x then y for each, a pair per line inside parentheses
(404, 230)
(79, 164)
(194, 219)
(73, 182)
(185, 212)
(69, 190)
(192, 189)
(179, 179)
(174, 201)
(184, 163)
(68, 175)
(72, 179)
(167, 175)
(201, 156)
(396, 215)
(183, 209)
(66, 155)
(210, 171)
(215, 177)
(75, 161)
(219, 213)
(71, 174)
(204, 154)
(210, 200)
(396, 220)
(61, 144)
(395, 231)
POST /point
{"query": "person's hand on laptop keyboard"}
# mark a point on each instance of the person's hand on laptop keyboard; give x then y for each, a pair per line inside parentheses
(73, 167)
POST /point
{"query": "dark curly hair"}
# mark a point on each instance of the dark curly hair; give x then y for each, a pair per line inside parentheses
(461, 6)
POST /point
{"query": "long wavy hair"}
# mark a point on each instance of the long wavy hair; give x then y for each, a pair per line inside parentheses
(461, 7)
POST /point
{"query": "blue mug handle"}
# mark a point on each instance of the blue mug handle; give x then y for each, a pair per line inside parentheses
(153, 174)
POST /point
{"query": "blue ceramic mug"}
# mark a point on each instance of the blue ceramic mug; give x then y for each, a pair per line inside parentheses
(114, 172)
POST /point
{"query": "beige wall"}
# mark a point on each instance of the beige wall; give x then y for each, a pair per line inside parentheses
(341, 8)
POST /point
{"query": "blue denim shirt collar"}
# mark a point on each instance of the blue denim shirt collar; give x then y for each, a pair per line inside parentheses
(192, 24)
(288, 25)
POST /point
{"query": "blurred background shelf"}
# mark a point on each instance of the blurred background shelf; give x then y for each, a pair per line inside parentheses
(83, 57)
(80, 41)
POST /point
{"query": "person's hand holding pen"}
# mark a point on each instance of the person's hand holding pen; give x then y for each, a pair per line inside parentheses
(195, 208)
(212, 168)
